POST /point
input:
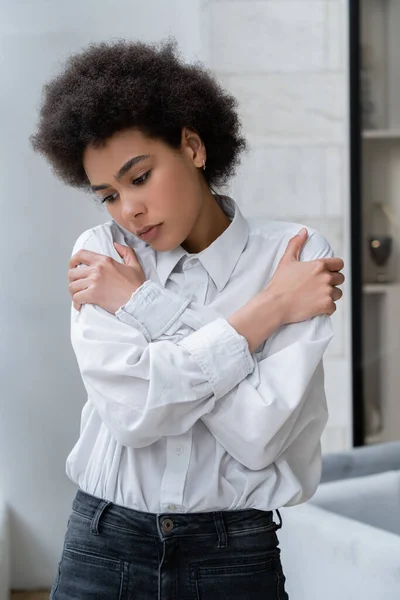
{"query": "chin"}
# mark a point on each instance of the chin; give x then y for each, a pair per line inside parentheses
(166, 243)
(163, 245)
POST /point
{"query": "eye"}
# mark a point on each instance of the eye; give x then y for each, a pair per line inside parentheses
(140, 180)
(109, 199)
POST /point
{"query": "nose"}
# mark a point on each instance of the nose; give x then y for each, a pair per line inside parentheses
(131, 207)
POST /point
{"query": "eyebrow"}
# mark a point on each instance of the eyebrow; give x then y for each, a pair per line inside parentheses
(122, 171)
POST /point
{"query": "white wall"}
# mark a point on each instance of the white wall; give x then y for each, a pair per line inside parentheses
(41, 392)
(286, 61)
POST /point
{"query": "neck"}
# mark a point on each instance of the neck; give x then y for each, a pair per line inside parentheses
(211, 223)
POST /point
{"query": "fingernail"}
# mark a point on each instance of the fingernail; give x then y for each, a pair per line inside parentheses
(303, 230)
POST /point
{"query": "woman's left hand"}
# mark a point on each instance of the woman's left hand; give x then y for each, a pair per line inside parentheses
(104, 281)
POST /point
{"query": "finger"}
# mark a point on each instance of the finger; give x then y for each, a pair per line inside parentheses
(336, 294)
(295, 246)
(332, 309)
(128, 254)
(81, 298)
(337, 279)
(77, 306)
(83, 256)
(333, 264)
(78, 286)
(82, 273)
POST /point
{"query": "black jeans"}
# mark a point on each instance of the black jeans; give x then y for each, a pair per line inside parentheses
(114, 553)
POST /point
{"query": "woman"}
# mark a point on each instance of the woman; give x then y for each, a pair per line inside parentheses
(199, 339)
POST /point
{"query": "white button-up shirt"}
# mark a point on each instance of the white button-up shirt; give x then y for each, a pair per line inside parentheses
(179, 415)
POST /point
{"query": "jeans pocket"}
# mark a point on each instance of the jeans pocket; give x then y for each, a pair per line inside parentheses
(256, 578)
(85, 574)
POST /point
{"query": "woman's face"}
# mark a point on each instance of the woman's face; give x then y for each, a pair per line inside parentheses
(144, 183)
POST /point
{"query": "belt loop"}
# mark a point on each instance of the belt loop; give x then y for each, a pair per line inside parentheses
(280, 519)
(220, 528)
(94, 526)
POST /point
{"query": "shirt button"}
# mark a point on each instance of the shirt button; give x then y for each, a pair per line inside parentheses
(172, 507)
(179, 450)
(167, 525)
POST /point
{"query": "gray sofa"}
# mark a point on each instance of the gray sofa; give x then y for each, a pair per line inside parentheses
(344, 544)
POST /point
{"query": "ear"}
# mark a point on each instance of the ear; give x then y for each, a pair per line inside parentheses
(193, 145)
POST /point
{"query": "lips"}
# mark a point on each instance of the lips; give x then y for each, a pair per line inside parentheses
(145, 229)
(150, 233)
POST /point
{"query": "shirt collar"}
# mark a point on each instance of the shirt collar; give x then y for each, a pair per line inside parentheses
(220, 258)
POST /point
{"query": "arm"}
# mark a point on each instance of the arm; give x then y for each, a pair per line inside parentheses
(284, 397)
(144, 389)
(258, 420)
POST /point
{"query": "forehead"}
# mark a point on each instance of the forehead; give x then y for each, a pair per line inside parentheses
(102, 162)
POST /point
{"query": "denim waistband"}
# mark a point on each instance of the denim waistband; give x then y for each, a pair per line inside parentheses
(172, 524)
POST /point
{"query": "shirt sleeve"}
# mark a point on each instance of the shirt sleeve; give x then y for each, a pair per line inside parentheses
(280, 410)
(146, 390)
(259, 420)
(153, 310)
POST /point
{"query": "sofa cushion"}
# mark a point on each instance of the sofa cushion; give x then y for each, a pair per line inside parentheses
(326, 556)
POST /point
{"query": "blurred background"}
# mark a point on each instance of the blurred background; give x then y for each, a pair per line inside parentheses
(319, 89)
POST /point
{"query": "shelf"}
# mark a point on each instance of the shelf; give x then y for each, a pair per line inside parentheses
(377, 288)
(375, 438)
(379, 155)
(381, 134)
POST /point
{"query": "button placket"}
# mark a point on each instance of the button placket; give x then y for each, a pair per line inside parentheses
(178, 450)
(196, 282)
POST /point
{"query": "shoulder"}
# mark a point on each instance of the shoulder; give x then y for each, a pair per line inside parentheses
(91, 238)
(278, 233)
(100, 239)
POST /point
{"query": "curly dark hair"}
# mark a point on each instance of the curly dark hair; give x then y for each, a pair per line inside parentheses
(112, 86)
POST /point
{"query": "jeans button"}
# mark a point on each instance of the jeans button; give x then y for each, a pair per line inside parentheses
(167, 525)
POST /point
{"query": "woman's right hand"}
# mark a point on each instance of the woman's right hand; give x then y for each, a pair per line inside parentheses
(306, 289)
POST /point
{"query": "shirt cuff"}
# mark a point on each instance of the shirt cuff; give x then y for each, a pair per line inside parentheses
(152, 309)
(222, 354)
